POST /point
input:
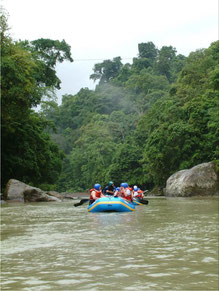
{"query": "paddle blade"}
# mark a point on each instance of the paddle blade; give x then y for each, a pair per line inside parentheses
(81, 202)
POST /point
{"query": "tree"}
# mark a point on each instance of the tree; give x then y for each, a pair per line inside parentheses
(148, 51)
(28, 152)
(47, 53)
(164, 61)
(107, 70)
(179, 131)
(91, 154)
(126, 166)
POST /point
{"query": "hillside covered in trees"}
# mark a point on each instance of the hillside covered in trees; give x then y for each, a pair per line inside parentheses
(143, 122)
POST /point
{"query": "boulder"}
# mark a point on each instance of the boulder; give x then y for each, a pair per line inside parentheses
(19, 191)
(55, 194)
(14, 190)
(201, 180)
(37, 195)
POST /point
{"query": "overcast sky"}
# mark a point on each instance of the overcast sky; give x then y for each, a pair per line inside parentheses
(104, 29)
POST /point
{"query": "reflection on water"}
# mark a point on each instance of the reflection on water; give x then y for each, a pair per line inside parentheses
(170, 244)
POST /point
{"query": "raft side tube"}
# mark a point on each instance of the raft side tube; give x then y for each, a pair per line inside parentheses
(108, 204)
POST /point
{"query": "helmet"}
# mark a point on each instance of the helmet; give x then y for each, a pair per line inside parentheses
(97, 186)
(110, 183)
(122, 185)
(135, 188)
(126, 185)
(117, 188)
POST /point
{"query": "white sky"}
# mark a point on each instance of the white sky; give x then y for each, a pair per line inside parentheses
(104, 29)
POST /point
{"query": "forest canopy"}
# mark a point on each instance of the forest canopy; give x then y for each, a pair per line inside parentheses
(143, 122)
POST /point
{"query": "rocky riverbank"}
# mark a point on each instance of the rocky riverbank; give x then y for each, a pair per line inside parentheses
(17, 191)
(201, 180)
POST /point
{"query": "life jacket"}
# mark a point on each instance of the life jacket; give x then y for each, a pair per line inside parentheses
(122, 190)
(123, 194)
(97, 192)
(140, 194)
(116, 193)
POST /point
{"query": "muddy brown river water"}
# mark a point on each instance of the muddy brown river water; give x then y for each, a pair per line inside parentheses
(169, 244)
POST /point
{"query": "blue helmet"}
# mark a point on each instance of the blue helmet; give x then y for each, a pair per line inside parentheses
(136, 188)
(97, 186)
(122, 185)
(126, 185)
(117, 188)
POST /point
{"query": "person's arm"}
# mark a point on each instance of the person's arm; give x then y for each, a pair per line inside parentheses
(93, 195)
(116, 193)
(110, 190)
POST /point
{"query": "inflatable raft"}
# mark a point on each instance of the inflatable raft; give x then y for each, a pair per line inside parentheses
(136, 202)
(111, 204)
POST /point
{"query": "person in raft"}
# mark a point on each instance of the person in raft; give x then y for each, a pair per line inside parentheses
(117, 192)
(110, 189)
(126, 192)
(138, 193)
(95, 193)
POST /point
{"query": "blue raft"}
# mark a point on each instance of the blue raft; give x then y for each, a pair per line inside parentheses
(136, 202)
(111, 204)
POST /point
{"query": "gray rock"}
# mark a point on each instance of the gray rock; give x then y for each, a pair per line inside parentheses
(199, 180)
(19, 191)
(14, 190)
(37, 195)
(55, 194)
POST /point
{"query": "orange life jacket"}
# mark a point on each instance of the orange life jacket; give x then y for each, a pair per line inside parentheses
(97, 192)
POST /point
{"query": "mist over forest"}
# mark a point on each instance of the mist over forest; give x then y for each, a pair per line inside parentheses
(143, 121)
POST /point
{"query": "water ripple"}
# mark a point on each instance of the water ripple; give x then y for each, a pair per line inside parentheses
(171, 244)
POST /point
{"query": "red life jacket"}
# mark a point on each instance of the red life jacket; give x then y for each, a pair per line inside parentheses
(123, 191)
(97, 192)
(140, 194)
(128, 198)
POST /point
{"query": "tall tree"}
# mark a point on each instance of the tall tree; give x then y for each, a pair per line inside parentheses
(164, 61)
(28, 152)
(148, 51)
(107, 70)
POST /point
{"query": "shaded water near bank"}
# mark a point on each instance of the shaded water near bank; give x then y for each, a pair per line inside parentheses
(170, 244)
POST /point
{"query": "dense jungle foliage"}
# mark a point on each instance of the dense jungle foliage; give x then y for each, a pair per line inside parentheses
(143, 122)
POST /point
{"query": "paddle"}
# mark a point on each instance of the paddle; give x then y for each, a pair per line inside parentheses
(81, 202)
(144, 201)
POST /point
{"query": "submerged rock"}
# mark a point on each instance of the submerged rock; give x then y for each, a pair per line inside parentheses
(199, 180)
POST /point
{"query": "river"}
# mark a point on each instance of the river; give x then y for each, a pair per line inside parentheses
(169, 244)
